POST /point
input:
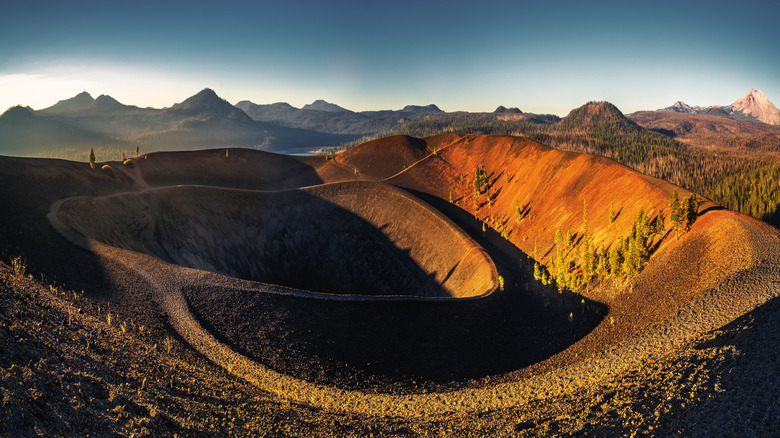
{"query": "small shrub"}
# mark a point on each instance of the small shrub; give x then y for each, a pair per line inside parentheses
(108, 170)
(501, 282)
(128, 163)
(18, 267)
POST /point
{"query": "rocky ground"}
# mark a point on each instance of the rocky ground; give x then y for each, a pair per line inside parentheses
(66, 368)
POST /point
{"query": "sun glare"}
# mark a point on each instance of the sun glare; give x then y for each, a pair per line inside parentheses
(38, 90)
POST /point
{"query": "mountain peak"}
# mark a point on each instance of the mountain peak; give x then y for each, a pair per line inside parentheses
(594, 114)
(205, 101)
(504, 110)
(78, 102)
(107, 101)
(418, 109)
(682, 107)
(17, 112)
(755, 105)
(603, 107)
(207, 93)
(321, 105)
(207, 104)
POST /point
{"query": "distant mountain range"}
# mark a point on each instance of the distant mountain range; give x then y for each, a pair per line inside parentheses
(327, 117)
(202, 121)
(752, 106)
(207, 121)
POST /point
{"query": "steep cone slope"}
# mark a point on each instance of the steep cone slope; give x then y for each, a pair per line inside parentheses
(554, 190)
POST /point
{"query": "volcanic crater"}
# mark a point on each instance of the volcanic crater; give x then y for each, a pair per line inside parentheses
(334, 239)
(341, 280)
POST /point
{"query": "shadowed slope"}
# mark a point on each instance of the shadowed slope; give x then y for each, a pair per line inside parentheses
(350, 238)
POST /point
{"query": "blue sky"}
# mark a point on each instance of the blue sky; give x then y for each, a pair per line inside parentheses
(543, 57)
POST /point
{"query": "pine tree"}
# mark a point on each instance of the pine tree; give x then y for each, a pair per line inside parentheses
(92, 158)
(560, 263)
(659, 223)
(601, 264)
(587, 259)
(611, 214)
(480, 180)
(616, 256)
(615, 260)
(691, 209)
(633, 257)
(636, 252)
(642, 228)
(676, 215)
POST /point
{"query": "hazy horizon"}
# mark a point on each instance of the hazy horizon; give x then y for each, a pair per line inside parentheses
(460, 56)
